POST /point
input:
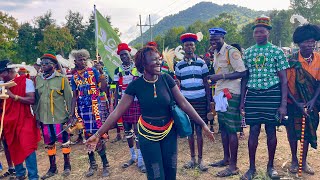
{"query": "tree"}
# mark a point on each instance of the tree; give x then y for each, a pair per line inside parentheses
(88, 40)
(41, 22)
(26, 44)
(309, 9)
(76, 26)
(172, 37)
(8, 34)
(247, 35)
(282, 29)
(56, 39)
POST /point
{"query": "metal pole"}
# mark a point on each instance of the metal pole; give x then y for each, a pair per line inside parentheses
(150, 27)
(141, 31)
(96, 30)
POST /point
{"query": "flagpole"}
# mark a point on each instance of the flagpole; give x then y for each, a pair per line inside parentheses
(96, 31)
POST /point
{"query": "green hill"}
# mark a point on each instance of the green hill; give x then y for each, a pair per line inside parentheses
(202, 11)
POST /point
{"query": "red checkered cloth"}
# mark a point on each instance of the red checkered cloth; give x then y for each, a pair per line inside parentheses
(133, 113)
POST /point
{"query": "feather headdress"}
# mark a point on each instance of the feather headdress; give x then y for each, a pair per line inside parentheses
(31, 70)
(168, 55)
(299, 18)
(179, 52)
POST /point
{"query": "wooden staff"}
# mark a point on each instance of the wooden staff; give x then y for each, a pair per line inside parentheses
(303, 125)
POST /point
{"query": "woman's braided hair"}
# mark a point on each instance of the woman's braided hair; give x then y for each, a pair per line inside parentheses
(140, 57)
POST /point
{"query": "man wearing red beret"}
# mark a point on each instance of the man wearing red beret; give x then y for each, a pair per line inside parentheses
(192, 74)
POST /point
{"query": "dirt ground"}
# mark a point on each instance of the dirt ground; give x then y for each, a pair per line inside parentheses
(118, 153)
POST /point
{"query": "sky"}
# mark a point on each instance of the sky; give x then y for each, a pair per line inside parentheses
(124, 13)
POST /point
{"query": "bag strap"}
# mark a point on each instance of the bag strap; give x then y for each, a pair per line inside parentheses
(168, 88)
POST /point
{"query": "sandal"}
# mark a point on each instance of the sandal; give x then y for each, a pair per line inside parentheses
(190, 165)
(129, 163)
(249, 175)
(221, 163)
(66, 172)
(227, 172)
(92, 169)
(118, 138)
(105, 172)
(49, 174)
(293, 168)
(142, 168)
(7, 174)
(308, 169)
(202, 167)
(272, 173)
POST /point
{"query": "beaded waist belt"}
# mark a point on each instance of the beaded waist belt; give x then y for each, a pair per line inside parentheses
(153, 133)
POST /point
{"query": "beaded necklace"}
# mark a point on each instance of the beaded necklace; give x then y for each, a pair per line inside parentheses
(127, 67)
(308, 59)
(154, 85)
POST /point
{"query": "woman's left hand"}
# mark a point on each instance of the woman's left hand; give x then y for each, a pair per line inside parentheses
(208, 133)
(91, 143)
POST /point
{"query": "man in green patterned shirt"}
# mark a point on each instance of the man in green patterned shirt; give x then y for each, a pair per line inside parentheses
(263, 93)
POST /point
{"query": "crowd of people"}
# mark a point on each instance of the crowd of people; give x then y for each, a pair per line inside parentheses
(258, 86)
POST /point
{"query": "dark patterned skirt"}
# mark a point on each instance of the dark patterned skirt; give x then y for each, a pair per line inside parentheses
(133, 113)
(104, 110)
(261, 105)
(295, 125)
(231, 119)
(201, 107)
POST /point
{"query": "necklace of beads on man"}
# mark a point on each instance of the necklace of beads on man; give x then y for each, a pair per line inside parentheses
(308, 59)
(127, 67)
(189, 62)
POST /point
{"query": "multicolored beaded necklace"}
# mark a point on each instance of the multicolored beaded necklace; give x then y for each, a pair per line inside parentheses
(308, 59)
(154, 85)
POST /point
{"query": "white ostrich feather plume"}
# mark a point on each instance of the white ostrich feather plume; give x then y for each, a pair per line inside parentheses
(299, 18)
(179, 52)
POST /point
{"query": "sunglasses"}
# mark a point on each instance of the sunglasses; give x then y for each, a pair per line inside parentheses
(46, 63)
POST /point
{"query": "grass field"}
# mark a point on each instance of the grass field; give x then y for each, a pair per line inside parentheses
(118, 153)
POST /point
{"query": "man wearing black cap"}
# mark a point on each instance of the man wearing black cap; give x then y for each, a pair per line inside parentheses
(229, 69)
(52, 110)
(303, 92)
(19, 128)
(264, 93)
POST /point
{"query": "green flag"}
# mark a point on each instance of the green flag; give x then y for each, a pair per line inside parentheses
(107, 42)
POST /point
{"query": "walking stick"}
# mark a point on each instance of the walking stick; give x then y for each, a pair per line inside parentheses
(303, 125)
(4, 97)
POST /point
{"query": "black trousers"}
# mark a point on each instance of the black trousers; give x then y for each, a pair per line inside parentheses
(160, 157)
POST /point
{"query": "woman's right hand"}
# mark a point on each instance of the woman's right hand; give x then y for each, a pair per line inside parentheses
(208, 133)
(91, 143)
